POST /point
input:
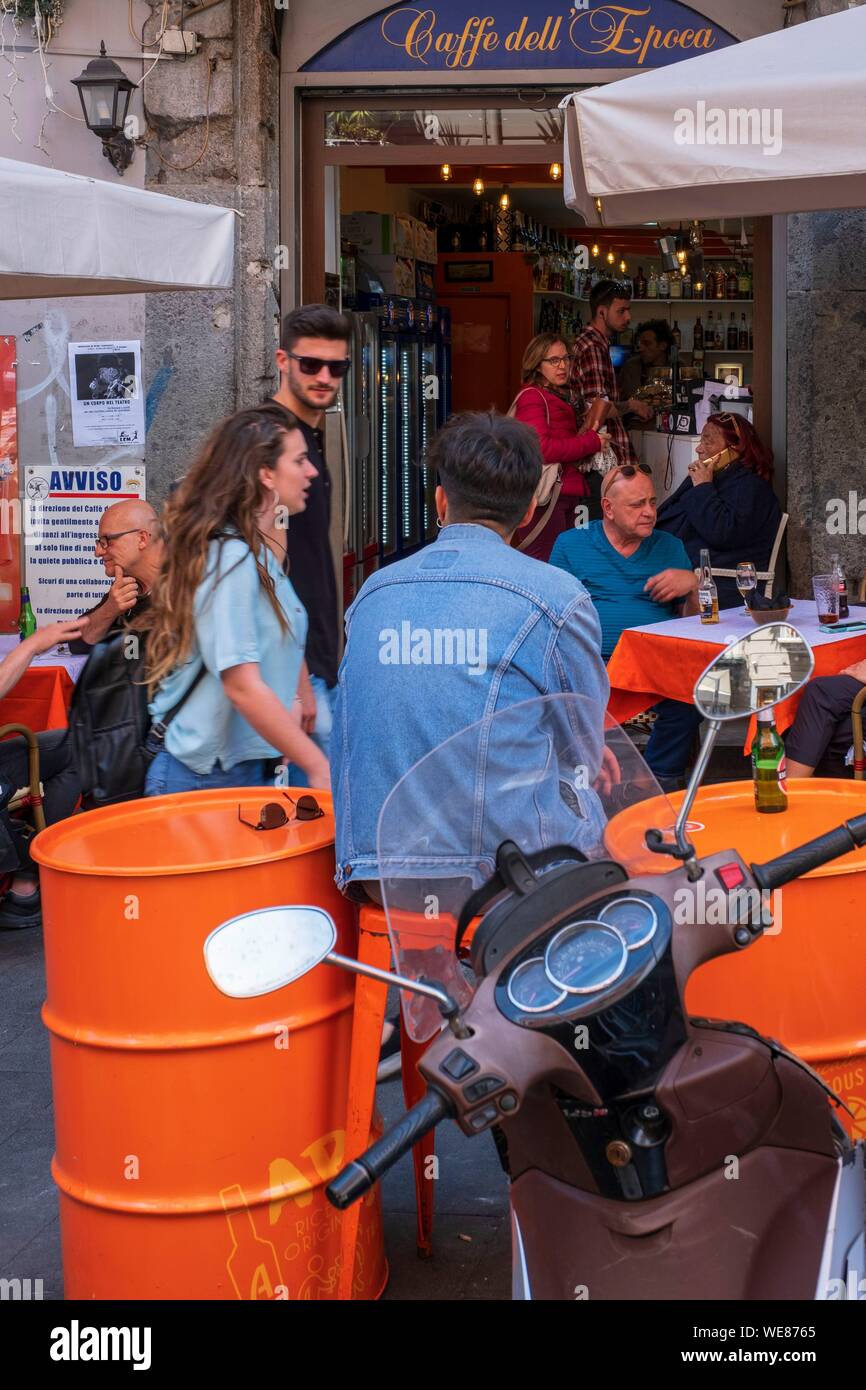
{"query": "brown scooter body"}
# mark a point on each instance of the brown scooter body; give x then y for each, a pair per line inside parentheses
(710, 1176)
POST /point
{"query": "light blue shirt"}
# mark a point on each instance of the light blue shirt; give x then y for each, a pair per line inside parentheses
(234, 624)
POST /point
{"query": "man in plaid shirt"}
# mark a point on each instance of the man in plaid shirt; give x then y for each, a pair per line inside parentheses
(592, 371)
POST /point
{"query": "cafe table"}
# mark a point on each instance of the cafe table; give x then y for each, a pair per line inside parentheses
(662, 661)
(42, 695)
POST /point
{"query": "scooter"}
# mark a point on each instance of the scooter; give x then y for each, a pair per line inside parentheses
(649, 1153)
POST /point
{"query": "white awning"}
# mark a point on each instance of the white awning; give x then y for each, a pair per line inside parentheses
(62, 234)
(775, 124)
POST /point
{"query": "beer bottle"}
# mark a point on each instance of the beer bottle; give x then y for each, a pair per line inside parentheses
(252, 1265)
(26, 620)
(769, 769)
(708, 594)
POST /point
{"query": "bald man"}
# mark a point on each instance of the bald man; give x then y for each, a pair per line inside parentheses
(132, 551)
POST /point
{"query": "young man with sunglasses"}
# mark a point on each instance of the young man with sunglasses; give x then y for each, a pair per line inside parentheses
(313, 359)
(592, 373)
(636, 574)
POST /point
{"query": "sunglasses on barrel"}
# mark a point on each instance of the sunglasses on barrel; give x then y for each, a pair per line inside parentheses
(311, 366)
(273, 814)
(624, 470)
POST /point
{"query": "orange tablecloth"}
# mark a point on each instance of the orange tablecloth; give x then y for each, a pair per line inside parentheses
(646, 667)
(40, 699)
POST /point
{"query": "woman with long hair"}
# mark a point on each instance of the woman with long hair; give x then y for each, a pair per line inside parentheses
(226, 631)
(726, 505)
(545, 404)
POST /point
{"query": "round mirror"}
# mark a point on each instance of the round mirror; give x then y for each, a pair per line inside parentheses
(263, 951)
(762, 669)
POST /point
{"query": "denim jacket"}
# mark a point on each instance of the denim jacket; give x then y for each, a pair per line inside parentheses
(450, 635)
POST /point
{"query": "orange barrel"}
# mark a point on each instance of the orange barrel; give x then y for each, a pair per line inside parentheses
(195, 1133)
(804, 981)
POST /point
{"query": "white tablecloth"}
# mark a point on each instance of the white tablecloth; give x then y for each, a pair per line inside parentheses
(57, 656)
(734, 623)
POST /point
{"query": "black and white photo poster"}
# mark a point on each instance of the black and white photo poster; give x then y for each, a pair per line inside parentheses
(106, 394)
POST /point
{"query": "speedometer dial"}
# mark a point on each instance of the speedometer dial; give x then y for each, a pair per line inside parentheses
(585, 957)
(634, 918)
(530, 990)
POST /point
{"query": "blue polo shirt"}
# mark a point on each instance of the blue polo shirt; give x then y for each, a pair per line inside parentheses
(616, 582)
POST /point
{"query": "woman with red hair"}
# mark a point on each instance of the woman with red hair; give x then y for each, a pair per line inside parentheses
(727, 504)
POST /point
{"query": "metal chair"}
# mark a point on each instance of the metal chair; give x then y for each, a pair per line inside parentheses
(767, 575)
(31, 796)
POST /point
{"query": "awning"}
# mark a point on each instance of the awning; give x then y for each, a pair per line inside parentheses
(771, 125)
(62, 234)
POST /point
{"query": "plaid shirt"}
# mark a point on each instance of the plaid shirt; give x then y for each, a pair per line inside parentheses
(592, 375)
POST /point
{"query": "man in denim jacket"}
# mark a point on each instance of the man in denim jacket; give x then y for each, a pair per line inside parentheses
(453, 634)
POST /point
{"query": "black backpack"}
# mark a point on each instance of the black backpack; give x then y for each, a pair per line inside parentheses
(113, 738)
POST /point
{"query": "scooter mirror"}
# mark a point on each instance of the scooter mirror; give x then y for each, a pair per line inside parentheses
(762, 669)
(259, 952)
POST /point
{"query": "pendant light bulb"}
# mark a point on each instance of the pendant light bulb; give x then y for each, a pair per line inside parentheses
(595, 249)
(504, 200)
(555, 170)
(445, 173)
(478, 186)
(623, 267)
(610, 258)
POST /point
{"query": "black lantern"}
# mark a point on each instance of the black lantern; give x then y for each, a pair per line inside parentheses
(105, 89)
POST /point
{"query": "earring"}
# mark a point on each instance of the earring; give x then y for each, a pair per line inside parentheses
(438, 523)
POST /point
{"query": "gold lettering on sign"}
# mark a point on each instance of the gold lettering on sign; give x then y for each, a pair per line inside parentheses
(415, 32)
(610, 29)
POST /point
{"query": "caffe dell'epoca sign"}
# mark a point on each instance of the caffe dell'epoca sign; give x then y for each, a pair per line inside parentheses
(456, 36)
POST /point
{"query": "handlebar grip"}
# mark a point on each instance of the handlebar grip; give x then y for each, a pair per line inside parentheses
(777, 872)
(360, 1175)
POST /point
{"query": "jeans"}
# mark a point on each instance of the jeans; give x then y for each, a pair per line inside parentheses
(325, 699)
(168, 774)
(670, 743)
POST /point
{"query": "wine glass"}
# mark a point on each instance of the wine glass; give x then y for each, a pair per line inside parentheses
(747, 580)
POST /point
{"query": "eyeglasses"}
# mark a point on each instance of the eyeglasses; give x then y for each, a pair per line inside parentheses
(624, 470)
(273, 814)
(557, 361)
(103, 542)
(311, 366)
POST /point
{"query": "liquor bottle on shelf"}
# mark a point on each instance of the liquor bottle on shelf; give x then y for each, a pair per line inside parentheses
(743, 343)
(721, 335)
(640, 284)
(731, 283)
(688, 285)
(751, 337)
(677, 335)
(841, 584)
(710, 335)
(698, 335)
(710, 283)
(652, 289)
(721, 282)
(676, 285)
(769, 768)
(708, 594)
(664, 285)
(744, 285)
(733, 335)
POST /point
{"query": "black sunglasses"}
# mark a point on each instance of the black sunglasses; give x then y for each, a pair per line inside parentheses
(272, 815)
(311, 366)
(624, 470)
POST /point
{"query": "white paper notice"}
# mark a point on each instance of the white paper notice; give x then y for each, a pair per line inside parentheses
(64, 575)
(106, 395)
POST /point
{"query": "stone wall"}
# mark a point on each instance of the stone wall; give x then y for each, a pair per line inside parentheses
(214, 138)
(826, 382)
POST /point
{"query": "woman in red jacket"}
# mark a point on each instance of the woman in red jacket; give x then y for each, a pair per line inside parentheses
(545, 404)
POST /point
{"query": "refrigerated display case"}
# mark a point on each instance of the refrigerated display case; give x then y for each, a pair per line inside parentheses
(397, 395)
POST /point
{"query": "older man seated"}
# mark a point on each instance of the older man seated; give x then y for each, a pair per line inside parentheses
(132, 551)
(636, 575)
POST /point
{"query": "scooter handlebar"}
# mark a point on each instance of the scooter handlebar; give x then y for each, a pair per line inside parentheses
(777, 872)
(360, 1175)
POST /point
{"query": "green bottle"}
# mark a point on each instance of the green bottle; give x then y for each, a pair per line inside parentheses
(26, 620)
(769, 771)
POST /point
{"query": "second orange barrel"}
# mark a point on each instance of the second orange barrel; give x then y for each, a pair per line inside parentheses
(804, 982)
(195, 1133)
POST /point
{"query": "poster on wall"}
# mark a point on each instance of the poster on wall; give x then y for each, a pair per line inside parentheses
(106, 395)
(10, 528)
(64, 574)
